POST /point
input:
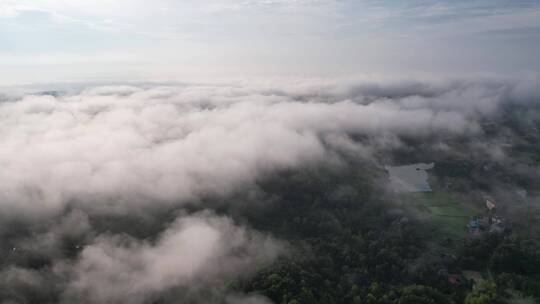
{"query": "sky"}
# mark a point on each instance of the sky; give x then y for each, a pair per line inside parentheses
(76, 40)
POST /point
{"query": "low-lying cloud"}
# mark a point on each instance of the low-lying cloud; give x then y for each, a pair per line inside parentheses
(193, 254)
(194, 258)
(66, 157)
(139, 145)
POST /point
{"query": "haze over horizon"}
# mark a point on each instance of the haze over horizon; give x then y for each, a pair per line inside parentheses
(43, 41)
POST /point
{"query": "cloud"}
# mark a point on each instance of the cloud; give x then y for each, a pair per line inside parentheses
(127, 146)
(77, 165)
(139, 145)
(195, 254)
(194, 258)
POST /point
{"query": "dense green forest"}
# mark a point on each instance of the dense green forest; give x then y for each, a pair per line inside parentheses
(353, 245)
(356, 242)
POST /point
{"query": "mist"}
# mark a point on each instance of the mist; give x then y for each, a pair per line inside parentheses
(69, 157)
(128, 146)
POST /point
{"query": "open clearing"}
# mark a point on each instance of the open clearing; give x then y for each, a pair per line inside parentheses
(449, 215)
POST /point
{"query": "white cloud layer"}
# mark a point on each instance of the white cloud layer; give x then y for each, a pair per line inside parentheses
(88, 153)
(131, 146)
(193, 259)
(127, 146)
(196, 254)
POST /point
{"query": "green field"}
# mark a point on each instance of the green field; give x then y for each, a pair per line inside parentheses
(448, 215)
(530, 158)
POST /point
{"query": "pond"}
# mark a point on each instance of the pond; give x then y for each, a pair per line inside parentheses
(410, 178)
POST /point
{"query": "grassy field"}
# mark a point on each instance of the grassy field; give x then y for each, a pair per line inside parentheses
(530, 158)
(448, 215)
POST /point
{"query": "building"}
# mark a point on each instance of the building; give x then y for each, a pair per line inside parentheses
(491, 206)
